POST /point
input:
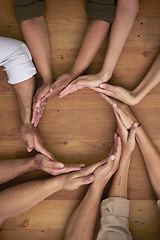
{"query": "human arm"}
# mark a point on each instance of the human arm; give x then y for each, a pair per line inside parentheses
(89, 48)
(150, 153)
(10, 169)
(83, 221)
(24, 93)
(151, 79)
(119, 183)
(17, 199)
(126, 13)
(36, 36)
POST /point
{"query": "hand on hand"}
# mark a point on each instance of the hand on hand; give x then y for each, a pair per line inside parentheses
(103, 173)
(31, 136)
(127, 137)
(90, 81)
(83, 177)
(126, 116)
(53, 167)
(117, 92)
(38, 107)
(57, 87)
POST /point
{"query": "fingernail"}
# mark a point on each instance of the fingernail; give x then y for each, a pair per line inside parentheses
(91, 178)
(114, 105)
(112, 157)
(37, 104)
(135, 124)
(60, 165)
(101, 85)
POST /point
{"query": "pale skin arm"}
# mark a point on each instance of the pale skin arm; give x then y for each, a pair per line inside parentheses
(126, 13)
(119, 183)
(17, 199)
(150, 153)
(151, 79)
(83, 221)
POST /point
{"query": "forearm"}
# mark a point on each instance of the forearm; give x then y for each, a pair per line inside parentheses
(126, 12)
(10, 169)
(35, 33)
(119, 183)
(24, 92)
(83, 221)
(151, 79)
(95, 34)
(17, 199)
(151, 158)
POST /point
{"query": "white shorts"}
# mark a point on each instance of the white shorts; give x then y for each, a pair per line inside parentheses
(16, 59)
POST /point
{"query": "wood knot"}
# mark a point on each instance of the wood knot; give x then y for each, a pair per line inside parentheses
(25, 223)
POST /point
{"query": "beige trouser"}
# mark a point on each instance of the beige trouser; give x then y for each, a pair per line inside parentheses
(114, 219)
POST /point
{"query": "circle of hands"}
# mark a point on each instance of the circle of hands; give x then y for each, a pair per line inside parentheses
(124, 139)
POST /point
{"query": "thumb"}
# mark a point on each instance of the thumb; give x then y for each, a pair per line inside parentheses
(133, 130)
(30, 142)
(85, 180)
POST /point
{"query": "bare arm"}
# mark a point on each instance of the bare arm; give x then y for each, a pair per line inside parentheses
(83, 221)
(151, 79)
(126, 13)
(150, 153)
(35, 33)
(17, 199)
(24, 93)
(94, 36)
(151, 157)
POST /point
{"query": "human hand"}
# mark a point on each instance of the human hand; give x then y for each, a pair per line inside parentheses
(103, 173)
(53, 167)
(85, 176)
(61, 82)
(37, 106)
(126, 116)
(90, 81)
(31, 136)
(127, 137)
(118, 92)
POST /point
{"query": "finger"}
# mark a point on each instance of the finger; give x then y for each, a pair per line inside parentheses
(30, 142)
(49, 95)
(108, 99)
(105, 91)
(118, 149)
(132, 133)
(42, 149)
(72, 87)
(84, 180)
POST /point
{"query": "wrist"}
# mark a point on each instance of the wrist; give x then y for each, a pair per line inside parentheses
(135, 97)
(104, 75)
(47, 80)
(74, 74)
(31, 164)
(98, 186)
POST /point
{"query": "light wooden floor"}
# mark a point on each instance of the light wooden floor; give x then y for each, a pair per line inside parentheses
(79, 128)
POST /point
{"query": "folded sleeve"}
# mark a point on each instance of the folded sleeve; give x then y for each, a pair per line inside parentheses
(114, 219)
(26, 9)
(101, 9)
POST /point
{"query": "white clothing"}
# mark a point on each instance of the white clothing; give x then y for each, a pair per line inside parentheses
(16, 59)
